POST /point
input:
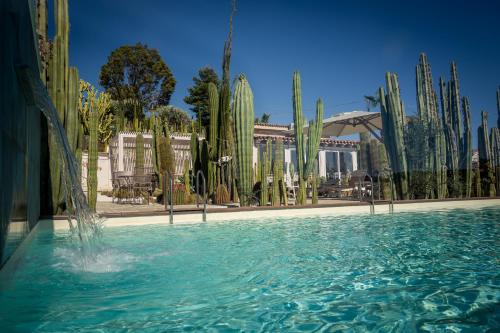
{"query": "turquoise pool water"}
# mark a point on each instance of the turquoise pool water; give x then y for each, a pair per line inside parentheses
(418, 272)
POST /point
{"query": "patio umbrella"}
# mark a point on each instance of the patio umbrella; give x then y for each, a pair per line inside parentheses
(348, 123)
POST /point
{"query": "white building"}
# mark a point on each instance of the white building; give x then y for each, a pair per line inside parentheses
(336, 157)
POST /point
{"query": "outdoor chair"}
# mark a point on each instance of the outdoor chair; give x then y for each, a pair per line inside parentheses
(142, 186)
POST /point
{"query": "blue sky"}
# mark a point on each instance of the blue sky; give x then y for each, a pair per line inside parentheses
(341, 48)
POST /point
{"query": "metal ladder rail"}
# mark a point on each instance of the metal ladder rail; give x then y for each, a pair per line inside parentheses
(198, 174)
(168, 176)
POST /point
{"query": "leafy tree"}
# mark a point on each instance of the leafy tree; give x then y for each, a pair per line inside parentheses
(198, 94)
(175, 118)
(264, 119)
(137, 73)
(372, 101)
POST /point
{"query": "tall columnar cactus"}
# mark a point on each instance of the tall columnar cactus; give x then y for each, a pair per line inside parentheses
(187, 179)
(213, 107)
(305, 166)
(92, 156)
(427, 105)
(139, 154)
(498, 107)
(62, 85)
(466, 161)
(195, 152)
(454, 107)
(244, 128)
(485, 158)
(226, 140)
(265, 169)
(364, 152)
(495, 156)
(393, 123)
(278, 175)
(452, 151)
(298, 127)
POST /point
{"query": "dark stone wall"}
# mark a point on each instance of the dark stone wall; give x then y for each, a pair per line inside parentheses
(20, 132)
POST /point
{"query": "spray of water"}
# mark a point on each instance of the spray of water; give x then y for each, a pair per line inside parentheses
(88, 224)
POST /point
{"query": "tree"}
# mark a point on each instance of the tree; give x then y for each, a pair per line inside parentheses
(175, 118)
(198, 94)
(372, 101)
(264, 119)
(139, 73)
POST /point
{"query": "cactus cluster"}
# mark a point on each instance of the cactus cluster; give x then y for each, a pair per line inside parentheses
(305, 166)
(436, 158)
(244, 129)
(62, 85)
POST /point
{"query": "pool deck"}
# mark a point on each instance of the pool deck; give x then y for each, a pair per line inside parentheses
(189, 214)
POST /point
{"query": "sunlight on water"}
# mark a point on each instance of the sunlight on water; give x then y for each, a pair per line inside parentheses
(408, 272)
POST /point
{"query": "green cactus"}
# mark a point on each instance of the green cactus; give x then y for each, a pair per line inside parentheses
(305, 169)
(466, 159)
(92, 156)
(62, 85)
(498, 107)
(139, 154)
(265, 170)
(364, 152)
(195, 152)
(476, 187)
(314, 186)
(244, 129)
(185, 175)
(167, 156)
(495, 155)
(432, 130)
(279, 190)
(452, 152)
(298, 119)
(393, 123)
(213, 108)
(485, 158)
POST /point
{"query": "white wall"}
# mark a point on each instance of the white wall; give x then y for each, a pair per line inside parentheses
(103, 172)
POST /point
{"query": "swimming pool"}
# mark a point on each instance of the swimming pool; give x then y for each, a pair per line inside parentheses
(428, 271)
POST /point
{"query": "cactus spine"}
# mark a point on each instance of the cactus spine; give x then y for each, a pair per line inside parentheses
(139, 154)
(466, 166)
(485, 158)
(92, 154)
(195, 152)
(393, 123)
(244, 129)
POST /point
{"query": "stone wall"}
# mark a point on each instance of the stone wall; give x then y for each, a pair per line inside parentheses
(20, 133)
